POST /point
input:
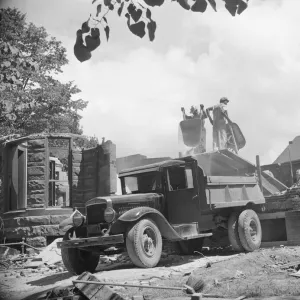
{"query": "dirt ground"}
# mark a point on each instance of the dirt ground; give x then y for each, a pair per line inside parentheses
(261, 273)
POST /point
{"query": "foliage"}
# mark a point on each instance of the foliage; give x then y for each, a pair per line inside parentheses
(32, 100)
(86, 142)
(139, 19)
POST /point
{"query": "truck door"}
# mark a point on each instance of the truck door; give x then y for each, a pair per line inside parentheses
(181, 192)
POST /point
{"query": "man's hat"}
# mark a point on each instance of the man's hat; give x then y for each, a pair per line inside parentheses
(223, 99)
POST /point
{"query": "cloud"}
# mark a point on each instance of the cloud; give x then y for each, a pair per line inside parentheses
(136, 102)
(135, 88)
(253, 59)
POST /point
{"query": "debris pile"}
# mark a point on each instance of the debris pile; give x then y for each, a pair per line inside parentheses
(6, 252)
(19, 265)
(170, 252)
(88, 287)
(292, 267)
(51, 254)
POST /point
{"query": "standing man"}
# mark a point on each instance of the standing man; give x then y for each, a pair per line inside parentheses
(219, 122)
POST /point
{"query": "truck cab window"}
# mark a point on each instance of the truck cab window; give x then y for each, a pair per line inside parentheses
(189, 177)
(180, 178)
(131, 184)
(142, 183)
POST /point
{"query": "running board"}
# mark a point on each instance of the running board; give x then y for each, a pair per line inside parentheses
(198, 236)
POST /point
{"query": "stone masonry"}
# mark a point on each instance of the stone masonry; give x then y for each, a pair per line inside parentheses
(93, 174)
(36, 166)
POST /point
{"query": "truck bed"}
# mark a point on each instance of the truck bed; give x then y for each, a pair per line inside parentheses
(226, 163)
(230, 191)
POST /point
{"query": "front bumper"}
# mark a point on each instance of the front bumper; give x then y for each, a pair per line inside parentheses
(92, 241)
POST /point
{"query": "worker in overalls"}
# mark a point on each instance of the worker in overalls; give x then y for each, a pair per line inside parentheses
(219, 122)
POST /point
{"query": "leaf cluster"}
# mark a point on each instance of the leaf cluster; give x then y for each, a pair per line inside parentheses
(139, 19)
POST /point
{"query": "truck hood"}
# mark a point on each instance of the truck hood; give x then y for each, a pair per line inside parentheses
(128, 199)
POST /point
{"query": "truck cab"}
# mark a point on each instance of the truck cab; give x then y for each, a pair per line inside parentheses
(172, 200)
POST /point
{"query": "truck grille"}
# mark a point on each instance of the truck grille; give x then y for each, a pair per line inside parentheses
(95, 213)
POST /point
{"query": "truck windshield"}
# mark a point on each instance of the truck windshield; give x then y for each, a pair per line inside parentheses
(142, 183)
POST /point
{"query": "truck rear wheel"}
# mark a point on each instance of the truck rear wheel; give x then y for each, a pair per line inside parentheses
(233, 233)
(188, 247)
(144, 244)
(78, 261)
(249, 229)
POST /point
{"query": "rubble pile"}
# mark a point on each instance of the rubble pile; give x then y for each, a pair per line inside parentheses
(112, 261)
(18, 265)
(170, 251)
(21, 264)
(51, 254)
(65, 294)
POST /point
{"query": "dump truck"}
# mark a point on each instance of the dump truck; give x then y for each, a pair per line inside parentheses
(173, 201)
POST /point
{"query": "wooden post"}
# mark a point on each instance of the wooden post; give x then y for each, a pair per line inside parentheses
(97, 149)
(70, 171)
(291, 166)
(259, 172)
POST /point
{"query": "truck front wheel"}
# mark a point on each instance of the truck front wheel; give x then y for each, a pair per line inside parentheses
(78, 261)
(249, 229)
(144, 244)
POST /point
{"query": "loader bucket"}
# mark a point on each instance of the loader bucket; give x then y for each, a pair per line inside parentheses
(191, 132)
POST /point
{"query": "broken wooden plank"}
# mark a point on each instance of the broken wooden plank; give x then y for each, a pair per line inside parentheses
(128, 285)
(33, 264)
(291, 264)
(95, 291)
(295, 274)
(240, 298)
(276, 298)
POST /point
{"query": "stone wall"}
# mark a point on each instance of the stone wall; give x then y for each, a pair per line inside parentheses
(1, 182)
(34, 229)
(94, 173)
(36, 166)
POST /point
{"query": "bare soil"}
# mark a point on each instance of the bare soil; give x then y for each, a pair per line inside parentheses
(230, 275)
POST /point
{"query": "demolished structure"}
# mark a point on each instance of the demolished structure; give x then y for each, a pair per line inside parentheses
(44, 177)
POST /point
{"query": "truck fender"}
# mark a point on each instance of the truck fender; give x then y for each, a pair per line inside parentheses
(137, 213)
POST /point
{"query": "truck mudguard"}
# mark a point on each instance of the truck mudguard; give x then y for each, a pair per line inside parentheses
(137, 213)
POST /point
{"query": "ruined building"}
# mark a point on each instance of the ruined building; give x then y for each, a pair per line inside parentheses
(281, 167)
(43, 177)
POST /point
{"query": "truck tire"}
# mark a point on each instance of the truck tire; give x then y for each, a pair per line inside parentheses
(78, 261)
(233, 233)
(249, 229)
(189, 246)
(144, 244)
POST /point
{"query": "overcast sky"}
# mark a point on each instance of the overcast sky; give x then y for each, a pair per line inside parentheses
(136, 88)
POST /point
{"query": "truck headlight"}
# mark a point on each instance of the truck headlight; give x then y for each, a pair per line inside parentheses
(78, 219)
(109, 214)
